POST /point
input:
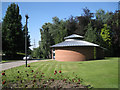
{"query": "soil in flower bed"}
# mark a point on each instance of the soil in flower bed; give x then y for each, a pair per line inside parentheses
(31, 79)
(64, 84)
(47, 84)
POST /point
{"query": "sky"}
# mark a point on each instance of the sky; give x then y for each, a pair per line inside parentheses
(43, 12)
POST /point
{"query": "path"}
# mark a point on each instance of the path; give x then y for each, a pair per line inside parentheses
(9, 65)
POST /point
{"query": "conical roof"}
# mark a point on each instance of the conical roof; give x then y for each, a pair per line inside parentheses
(73, 40)
(74, 36)
(75, 43)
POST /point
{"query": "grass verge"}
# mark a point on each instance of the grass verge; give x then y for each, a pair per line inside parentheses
(97, 73)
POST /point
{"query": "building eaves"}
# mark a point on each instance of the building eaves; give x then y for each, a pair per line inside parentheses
(75, 43)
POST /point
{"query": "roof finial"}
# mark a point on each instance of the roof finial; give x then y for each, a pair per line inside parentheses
(74, 36)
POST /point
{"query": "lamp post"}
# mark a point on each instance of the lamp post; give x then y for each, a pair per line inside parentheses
(26, 38)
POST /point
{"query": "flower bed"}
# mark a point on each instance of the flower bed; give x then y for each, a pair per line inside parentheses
(32, 79)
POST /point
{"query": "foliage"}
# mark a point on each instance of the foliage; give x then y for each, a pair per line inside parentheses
(12, 33)
(71, 25)
(91, 34)
(83, 21)
(103, 16)
(46, 40)
(0, 38)
(58, 30)
(36, 53)
(106, 35)
(52, 34)
(114, 23)
(28, 41)
(11, 30)
(101, 29)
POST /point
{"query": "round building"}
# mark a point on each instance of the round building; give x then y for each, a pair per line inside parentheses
(76, 49)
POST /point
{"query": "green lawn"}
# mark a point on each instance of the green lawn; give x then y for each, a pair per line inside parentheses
(97, 73)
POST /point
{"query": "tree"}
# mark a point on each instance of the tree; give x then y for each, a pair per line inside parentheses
(0, 38)
(52, 33)
(87, 13)
(106, 36)
(91, 34)
(12, 31)
(103, 16)
(28, 41)
(71, 25)
(115, 28)
(46, 41)
(103, 30)
(83, 21)
(58, 30)
(36, 53)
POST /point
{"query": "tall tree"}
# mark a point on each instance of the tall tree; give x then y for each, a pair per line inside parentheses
(0, 38)
(103, 16)
(28, 41)
(37, 52)
(71, 25)
(12, 31)
(52, 33)
(103, 30)
(91, 34)
(45, 41)
(87, 13)
(83, 21)
(58, 30)
(106, 36)
(115, 28)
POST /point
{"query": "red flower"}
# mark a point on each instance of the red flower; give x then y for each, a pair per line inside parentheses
(34, 76)
(64, 79)
(78, 80)
(52, 79)
(28, 65)
(59, 71)
(3, 73)
(42, 73)
(4, 82)
(34, 80)
(33, 86)
(36, 72)
(73, 80)
(21, 81)
(25, 85)
(44, 85)
(32, 71)
(55, 71)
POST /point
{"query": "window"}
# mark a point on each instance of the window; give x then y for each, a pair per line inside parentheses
(53, 53)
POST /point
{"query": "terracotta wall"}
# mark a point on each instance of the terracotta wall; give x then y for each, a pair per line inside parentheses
(74, 53)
